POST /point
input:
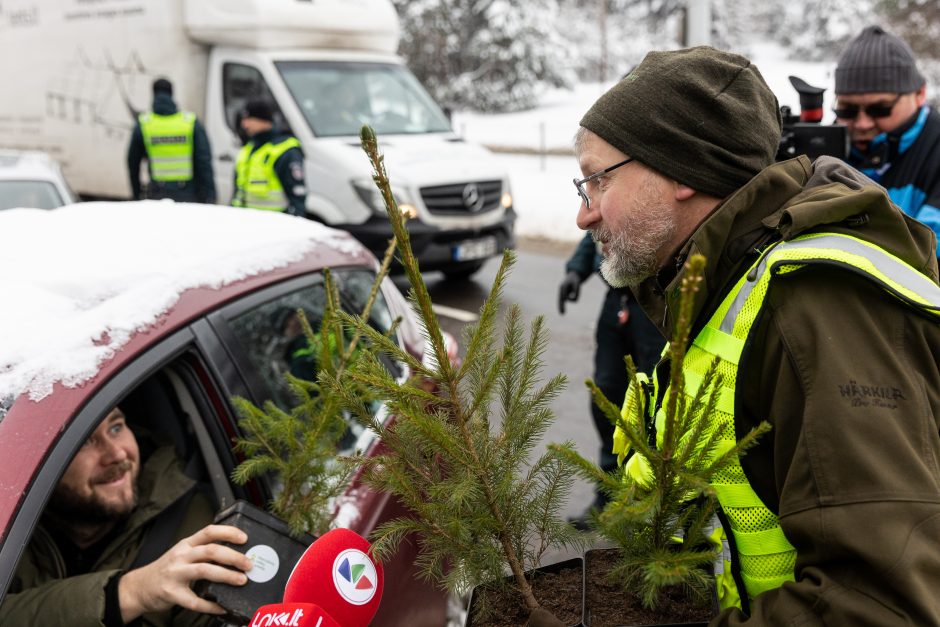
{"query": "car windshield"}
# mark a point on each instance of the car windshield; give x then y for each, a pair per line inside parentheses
(338, 98)
(30, 194)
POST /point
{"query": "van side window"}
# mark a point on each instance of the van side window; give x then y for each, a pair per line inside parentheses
(241, 83)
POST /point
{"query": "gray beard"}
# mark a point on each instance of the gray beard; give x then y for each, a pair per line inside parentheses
(633, 251)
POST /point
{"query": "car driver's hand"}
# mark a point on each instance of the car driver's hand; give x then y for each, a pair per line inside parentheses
(167, 581)
(569, 289)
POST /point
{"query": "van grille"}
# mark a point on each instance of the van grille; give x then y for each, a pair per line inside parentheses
(462, 198)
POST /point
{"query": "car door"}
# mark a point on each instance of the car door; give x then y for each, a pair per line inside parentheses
(253, 349)
(161, 413)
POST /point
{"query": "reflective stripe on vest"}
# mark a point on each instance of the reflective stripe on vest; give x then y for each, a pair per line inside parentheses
(168, 140)
(256, 183)
(764, 556)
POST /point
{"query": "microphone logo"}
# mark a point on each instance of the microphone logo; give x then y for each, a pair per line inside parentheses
(354, 576)
(275, 618)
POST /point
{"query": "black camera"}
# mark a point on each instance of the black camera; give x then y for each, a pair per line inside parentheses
(803, 134)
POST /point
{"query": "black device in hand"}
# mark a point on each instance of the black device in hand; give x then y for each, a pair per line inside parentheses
(272, 549)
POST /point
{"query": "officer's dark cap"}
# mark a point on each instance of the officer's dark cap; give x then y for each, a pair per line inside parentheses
(259, 109)
(162, 85)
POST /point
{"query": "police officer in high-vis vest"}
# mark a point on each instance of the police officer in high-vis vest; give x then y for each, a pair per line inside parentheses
(175, 145)
(820, 298)
(269, 171)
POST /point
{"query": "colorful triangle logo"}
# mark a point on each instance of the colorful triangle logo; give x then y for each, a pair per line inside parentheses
(353, 574)
(344, 571)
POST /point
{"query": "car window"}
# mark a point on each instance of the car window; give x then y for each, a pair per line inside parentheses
(274, 342)
(32, 194)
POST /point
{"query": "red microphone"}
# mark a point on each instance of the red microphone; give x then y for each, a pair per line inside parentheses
(337, 575)
(291, 615)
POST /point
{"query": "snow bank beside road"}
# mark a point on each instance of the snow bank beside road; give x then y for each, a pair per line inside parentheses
(545, 199)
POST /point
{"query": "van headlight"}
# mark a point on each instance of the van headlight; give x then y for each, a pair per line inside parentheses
(505, 199)
(369, 194)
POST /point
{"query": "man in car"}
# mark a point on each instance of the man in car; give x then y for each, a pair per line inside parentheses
(881, 98)
(92, 559)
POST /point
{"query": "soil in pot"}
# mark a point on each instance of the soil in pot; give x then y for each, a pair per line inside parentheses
(607, 605)
(557, 587)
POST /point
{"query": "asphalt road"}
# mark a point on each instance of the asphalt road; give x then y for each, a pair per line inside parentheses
(533, 285)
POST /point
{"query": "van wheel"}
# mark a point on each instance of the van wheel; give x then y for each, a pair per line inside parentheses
(463, 271)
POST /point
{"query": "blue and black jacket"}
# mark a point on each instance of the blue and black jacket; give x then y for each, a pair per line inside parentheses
(906, 162)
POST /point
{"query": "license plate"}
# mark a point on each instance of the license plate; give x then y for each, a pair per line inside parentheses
(475, 249)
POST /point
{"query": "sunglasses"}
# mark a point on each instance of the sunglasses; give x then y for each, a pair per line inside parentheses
(876, 110)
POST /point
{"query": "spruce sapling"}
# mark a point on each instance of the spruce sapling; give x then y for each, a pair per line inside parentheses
(661, 503)
(458, 453)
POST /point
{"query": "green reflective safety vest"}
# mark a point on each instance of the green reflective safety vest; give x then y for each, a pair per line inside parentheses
(168, 140)
(256, 182)
(764, 558)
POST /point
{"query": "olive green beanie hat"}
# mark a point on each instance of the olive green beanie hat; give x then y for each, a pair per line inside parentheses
(700, 116)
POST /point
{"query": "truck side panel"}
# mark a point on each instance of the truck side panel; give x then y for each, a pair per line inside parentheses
(81, 72)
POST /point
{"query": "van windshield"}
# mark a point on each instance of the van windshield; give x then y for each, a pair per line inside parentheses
(338, 98)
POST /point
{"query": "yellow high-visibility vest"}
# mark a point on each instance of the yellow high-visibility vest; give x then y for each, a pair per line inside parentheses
(168, 140)
(256, 182)
(764, 557)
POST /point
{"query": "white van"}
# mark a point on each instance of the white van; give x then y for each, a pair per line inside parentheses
(78, 72)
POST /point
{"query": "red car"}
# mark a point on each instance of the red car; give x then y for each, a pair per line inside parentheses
(171, 309)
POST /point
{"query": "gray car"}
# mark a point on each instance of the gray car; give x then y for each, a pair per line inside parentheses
(33, 180)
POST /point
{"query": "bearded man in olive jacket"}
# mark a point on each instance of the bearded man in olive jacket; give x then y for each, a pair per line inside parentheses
(80, 568)
(837, 358)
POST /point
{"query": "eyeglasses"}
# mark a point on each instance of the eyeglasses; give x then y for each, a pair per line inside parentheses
(876, 110)
(580, 184)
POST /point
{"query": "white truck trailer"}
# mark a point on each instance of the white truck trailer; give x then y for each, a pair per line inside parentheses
(77, 73)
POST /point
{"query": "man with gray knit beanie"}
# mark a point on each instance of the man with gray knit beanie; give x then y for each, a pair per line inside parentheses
(881, 97)
(819, 298)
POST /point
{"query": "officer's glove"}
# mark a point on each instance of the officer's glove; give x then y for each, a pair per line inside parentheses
(569, 289)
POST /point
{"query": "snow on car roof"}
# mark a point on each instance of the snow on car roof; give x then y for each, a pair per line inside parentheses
(79, 280)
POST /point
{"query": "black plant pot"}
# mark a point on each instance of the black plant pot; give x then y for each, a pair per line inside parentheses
(551, 569)
(589, 559)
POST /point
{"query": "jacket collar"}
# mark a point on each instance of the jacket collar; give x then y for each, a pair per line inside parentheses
(163, 104)
(783, 201)
(885, 148)
(731, 236)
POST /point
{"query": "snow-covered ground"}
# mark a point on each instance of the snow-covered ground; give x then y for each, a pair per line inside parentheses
(543, 193)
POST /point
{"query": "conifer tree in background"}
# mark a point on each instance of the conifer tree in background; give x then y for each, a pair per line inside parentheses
(489, 55)
(497, 55)
(299, 446)
(663, 493)
(819, 30)
(918, 23)
(459, 451)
